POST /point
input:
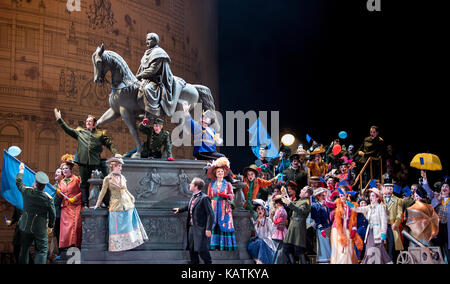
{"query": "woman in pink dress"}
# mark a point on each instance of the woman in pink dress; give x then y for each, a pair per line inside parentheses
(70, 192)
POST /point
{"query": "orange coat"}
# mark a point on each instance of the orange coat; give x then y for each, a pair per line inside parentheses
(257, 183)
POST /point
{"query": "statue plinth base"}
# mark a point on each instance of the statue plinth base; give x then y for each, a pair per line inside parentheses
(159, 186)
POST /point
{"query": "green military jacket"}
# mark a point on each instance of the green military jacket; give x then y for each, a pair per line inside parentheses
(296, 233)
(37, 207)
(152, 147)
(298, 176)
(89, 143)
(372, 148)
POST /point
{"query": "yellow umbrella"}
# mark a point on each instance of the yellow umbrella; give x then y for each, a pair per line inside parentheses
(426, 161)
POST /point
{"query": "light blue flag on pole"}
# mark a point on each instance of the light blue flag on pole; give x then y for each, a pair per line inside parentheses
(9, 189)
(259, 136)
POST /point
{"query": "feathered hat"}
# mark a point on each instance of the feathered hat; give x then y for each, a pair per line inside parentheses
(67, 159)
(221, 162)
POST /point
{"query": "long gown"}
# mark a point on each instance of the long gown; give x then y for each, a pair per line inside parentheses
(262, 248)
(223, 236)
(70, 224)
(125, 227)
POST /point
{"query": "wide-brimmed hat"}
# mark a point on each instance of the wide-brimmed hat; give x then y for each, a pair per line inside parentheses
(377, 192)
(252, 168)
(318, 150)
(292, 184)
(221, 162)
(314, 178)
(301, 151)
(117, 158)
(319, 191)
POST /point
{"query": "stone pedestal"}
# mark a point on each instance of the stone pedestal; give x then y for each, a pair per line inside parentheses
(159, 186)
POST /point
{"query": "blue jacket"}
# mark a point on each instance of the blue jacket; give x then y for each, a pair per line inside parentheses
(203, 138)
(320, 215)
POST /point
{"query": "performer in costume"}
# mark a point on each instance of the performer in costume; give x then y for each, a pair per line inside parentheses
(199, 222)
(343, 232)
(221, 192)
(57, 200)
(294, 243)
(279, 220)
(37, 207)
(261, 248)
(441, 205)
(253, 184)
(320, 213)
(362, 225)
(295, 173)
(125, 228)
(87, 157)
(317, 167)
(70, 193)
(205, 138)
(394, 206)
(157, 138)
(376, 234)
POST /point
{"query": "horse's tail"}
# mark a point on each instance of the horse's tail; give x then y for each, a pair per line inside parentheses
(207, 101)
(205, 97)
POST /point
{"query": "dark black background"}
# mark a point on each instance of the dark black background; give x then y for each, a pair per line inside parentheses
(330, 65)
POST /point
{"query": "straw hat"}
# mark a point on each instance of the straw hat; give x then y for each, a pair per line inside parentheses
(117, 158)
(318, 150)
(252, 168)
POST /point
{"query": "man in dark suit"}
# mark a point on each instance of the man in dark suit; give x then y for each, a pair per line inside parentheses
(199, 222)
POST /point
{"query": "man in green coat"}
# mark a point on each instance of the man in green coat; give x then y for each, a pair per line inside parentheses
(37, 207)
(157, 139)
(295, 240)
(90, 146)
(295, 173)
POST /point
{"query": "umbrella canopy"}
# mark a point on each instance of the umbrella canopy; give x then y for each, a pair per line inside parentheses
(426, 161)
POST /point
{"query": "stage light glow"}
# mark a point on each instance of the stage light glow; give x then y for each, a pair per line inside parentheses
(288, 139)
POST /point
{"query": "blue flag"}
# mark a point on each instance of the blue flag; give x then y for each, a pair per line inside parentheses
(322, 180)
(9, 189)
(258, 137)
(407, 191)
(397, 189)
(372, 183)
(308, 138)
(343, 182)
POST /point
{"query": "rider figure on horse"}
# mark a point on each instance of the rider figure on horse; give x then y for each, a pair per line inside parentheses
(158, 86)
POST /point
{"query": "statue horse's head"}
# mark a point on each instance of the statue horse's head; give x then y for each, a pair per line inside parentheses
(99, 66)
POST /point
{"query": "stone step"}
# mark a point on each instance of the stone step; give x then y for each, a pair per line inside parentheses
(158, 257)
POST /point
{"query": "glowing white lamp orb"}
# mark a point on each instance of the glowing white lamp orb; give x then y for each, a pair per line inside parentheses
(288, 139)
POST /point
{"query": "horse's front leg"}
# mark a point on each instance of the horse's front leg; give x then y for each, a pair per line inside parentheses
(130, 121)
(109, 116)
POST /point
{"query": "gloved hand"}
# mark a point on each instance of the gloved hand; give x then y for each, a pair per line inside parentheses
(145, 121)
(361, 153)
(58, 191)
(72, 200)
(322, 232)
(383, 237)
(170, 159)
(353, 233)
(286, 200)
(95, 207)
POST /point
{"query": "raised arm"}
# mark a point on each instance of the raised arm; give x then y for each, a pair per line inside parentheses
(70, 131)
